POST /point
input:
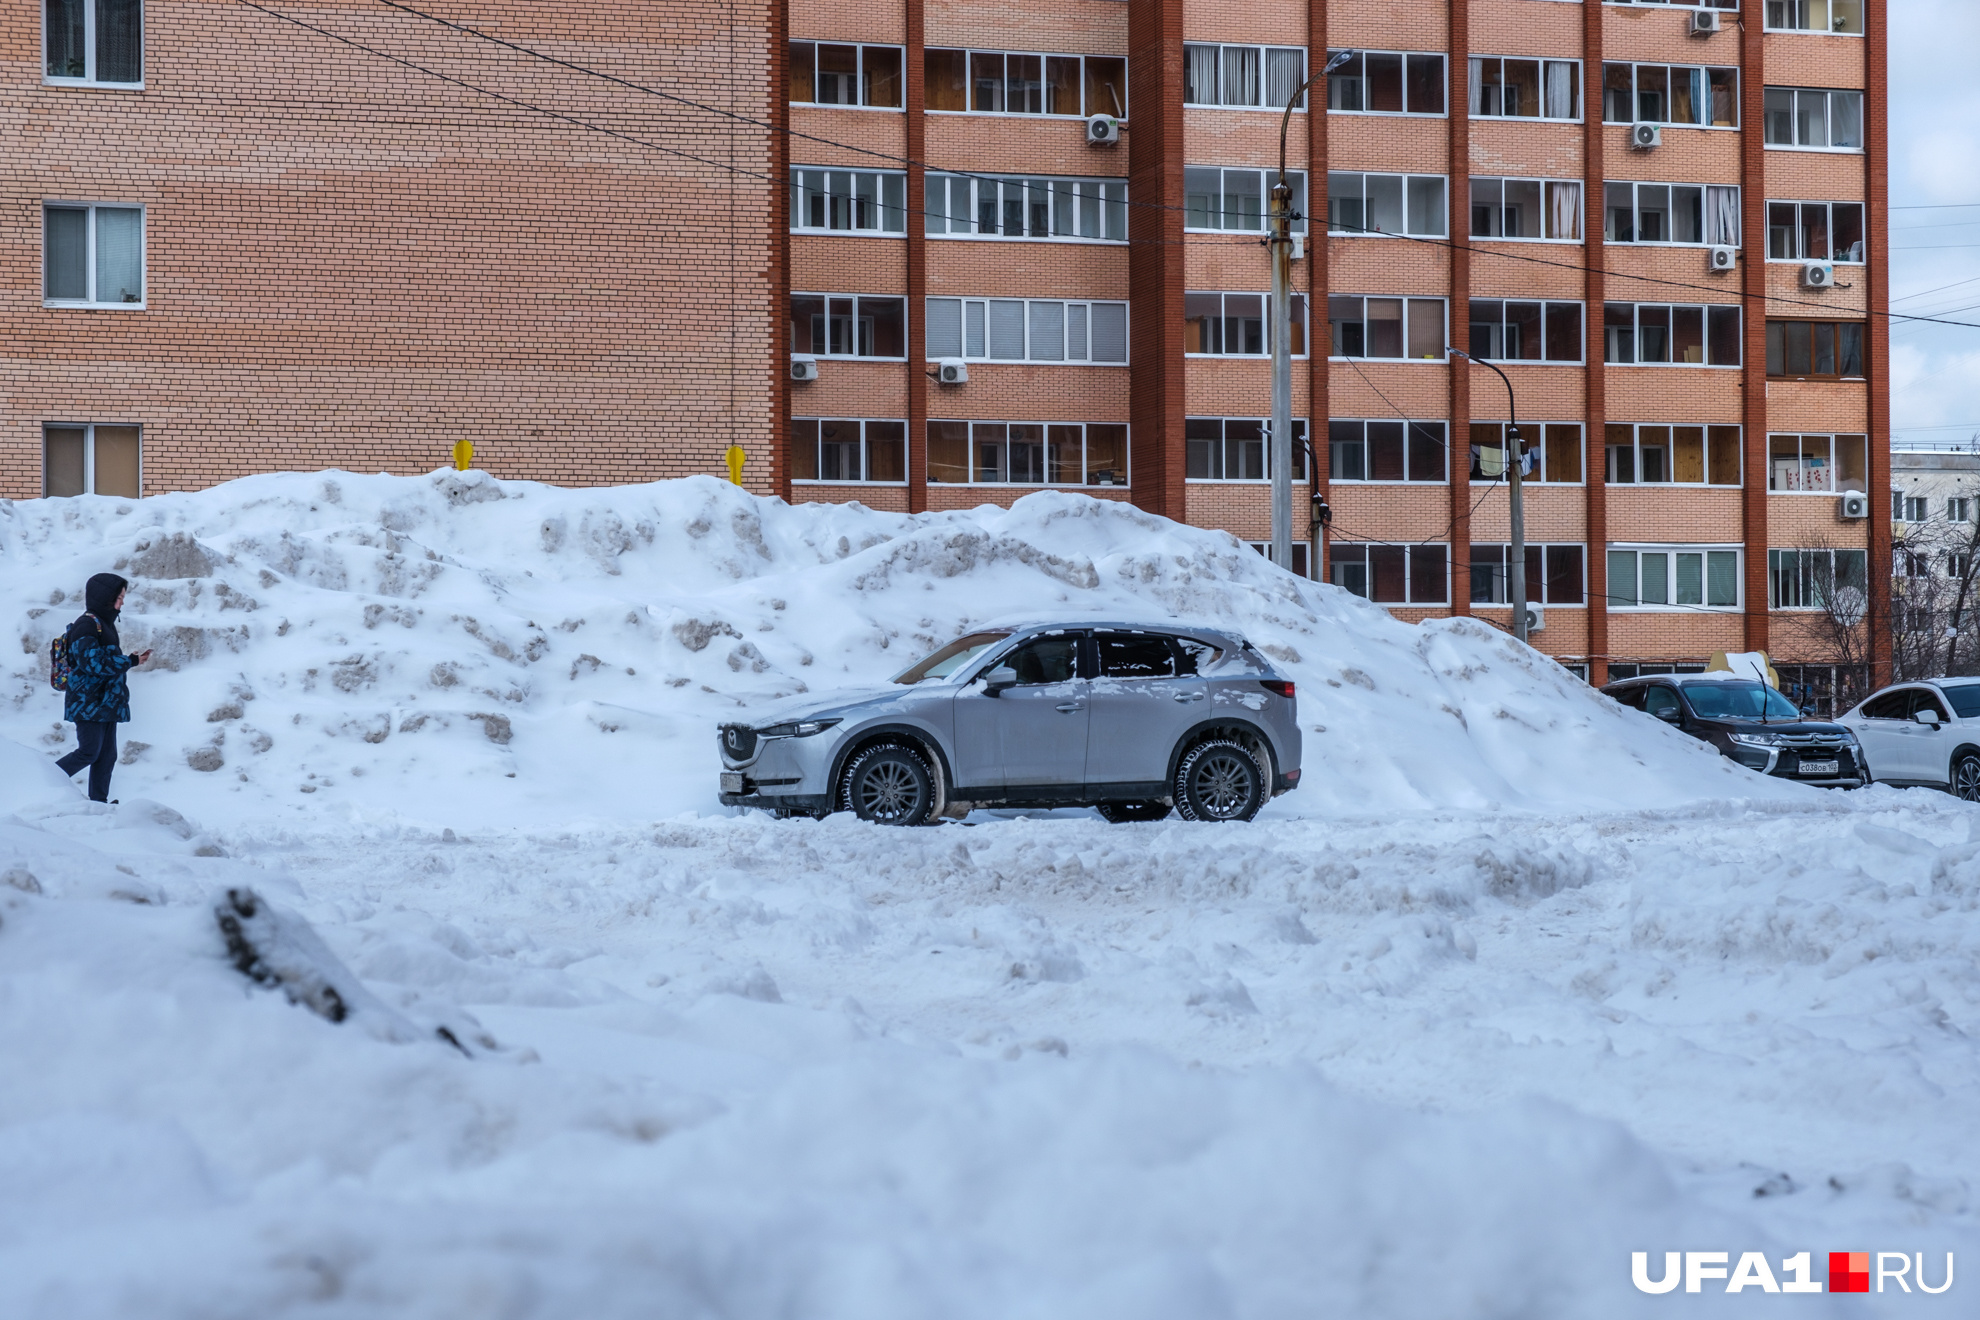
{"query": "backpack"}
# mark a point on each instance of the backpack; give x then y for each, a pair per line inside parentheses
(60, 671)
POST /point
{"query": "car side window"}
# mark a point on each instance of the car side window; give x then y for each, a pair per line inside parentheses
(1925, 699)
(1890, 706)
(1053, 659)
(1656, 700)
(1136, 655)
(1631, 697)
(1192, 656)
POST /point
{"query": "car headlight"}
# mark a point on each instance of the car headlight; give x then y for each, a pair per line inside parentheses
(797, 729)
(1757, 739)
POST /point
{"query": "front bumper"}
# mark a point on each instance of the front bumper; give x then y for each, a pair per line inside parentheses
(1786, 763)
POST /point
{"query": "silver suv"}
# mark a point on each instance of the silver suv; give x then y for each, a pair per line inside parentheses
(1132, 719)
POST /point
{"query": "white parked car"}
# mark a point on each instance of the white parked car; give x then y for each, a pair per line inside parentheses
(1924, 733)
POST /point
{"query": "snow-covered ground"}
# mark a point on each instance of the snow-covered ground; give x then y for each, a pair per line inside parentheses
(1515, 985)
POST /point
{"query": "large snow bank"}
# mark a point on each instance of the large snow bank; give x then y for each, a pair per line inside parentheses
(517, 651)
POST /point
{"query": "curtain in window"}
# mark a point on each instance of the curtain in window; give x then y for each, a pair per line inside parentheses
(64, 28)
(65, 252)
(1283, 71)
(1564, 210)
(1110, 332)
(1722, 216)
(120, 41)
(119, 255)
(1200, 75)
(1560, 90)
(1846, 119)
(1007, 330)
(1240, 75)
(945, 327)
(1048, 332)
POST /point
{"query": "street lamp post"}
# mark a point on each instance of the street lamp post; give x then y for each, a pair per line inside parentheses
(1515, 471)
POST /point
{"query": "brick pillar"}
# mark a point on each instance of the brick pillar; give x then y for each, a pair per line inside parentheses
(1318, 249)
(1753, 288)
(1594, 469)
(1155, 254)
(1459, 108)
(780, 247)
(917, 263)
(1876, 162)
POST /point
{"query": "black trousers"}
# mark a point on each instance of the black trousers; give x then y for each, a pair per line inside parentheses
(97, 749)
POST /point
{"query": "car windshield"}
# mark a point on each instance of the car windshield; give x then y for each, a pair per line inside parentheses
(1965, 699)
(1739, 701)
(950, 658)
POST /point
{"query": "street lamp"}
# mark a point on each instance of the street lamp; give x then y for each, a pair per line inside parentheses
(1515, 470)
(1281, 242)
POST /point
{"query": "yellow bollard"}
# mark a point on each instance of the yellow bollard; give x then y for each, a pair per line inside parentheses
(463, 455)
(735, 458)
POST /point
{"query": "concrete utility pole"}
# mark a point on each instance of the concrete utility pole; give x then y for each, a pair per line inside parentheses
(1515, 471)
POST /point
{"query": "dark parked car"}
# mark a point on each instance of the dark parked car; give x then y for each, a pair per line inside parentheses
(1751, 723)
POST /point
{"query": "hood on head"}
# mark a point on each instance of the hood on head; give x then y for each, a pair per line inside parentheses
(100, 595)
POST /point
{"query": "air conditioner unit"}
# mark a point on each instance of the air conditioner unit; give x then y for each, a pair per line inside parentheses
(1102, 130)
(1536, 620)
(1818, 275)
(952, 371)
(804, 367)
(1854, 505)
(1299, 247)
(1646, 137)
(1704, 22)
(1722, 258)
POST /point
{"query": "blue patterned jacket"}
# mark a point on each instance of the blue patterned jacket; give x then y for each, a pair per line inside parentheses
(98, 690)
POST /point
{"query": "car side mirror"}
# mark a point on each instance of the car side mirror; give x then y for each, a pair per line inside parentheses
(1930, 717)
(997, 678)
(1669, 715)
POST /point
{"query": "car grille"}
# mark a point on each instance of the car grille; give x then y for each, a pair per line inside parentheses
(738, 742)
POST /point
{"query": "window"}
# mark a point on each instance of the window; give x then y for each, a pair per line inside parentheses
(1217, 199)
(94, 41)
(827, 325)
(1815, 231)
(1816, 463)
(1525, 89)
(1670, 213)
(1526, 208)
(1663, 577)
(1300, 557)
(1959, 564)
(1959, 510)
(1393, 574)
(1237, 324)
(1655, 335)
(1412, 328)
(90, 460)
(1907, 508)
(1815, 16)
(1670, 94)
(1386, 82)
(92, 255)
(1814, 118)
(1237, 448)
(1248, 76)
(1809, 579)
(1027, 330)
(1509, 331)
(1672, 455)
(1028, 453)
(1384, 450)
(850, 201)
(834, 449)
(1555, 575)
(1688, 4)
(824, 74)
(1552, 451)
(986, 82)
(1912, 564)
(1410, 204)
(1059, 209)
(1815, 350)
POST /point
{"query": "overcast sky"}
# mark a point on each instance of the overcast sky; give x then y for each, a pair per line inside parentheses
(1935, 218)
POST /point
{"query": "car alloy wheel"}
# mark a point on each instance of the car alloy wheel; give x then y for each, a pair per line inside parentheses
(1966, 778)
(889, 785)
(1219, 780)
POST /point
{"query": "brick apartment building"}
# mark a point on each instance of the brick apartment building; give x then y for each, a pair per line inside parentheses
(347, 260)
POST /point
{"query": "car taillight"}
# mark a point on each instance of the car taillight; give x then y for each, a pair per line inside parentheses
(1282, 686)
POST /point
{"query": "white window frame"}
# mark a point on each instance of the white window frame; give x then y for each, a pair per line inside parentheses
(1263, 103)
(89, 78)
(1636, 481)
(1443, 342)
(906, 325)
(1636, 332)
(1082, 484)
(865, 452)
(1396, 114)
(1339, 562)
(1334, 468)
(1546, 306)
(1828, 463)
(1806, 583)
(1705, 190)
(1534, 440)
(1828, 95)
(1633, 603)
(1903, 505)
(1636, 97)
(1301, 553)
(1679, 4)
(1302, 319)
(1547, 193)
(1334, 197)
(1112, 210)
(1267, 180)
(1767, 17)
(1301, 473)
(1830, 256)
(89, 255)
(801, 192)
(859, 77)
(1066, 305)
(89, 454)
(1536, 592)
(969, 82)
(1476, 87)
(1959, 508)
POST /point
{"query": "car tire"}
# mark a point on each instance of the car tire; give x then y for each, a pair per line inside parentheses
(1219, 780)
(1964, 782)
(1123, 813)
(888, 785)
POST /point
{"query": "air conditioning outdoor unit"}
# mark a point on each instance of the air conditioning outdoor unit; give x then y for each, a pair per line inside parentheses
(1704, 22)
(952, 371)
(804, 367)
(1854, 505)
(1646, 137)
(1722, 258)
(1818, 275)
(1536, 619)
(1102, 130)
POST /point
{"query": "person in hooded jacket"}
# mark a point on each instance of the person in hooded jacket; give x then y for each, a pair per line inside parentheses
(99, 694)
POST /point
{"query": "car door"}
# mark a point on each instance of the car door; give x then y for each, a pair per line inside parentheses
(1142, 703)
(1879, 726)
(1043, 720)
(1662, 703)
(1928, 755)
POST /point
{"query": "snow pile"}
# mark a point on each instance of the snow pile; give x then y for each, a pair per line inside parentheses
(522, 651)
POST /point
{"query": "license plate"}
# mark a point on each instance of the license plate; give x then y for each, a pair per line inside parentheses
(732, 781)
(1821, 767)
